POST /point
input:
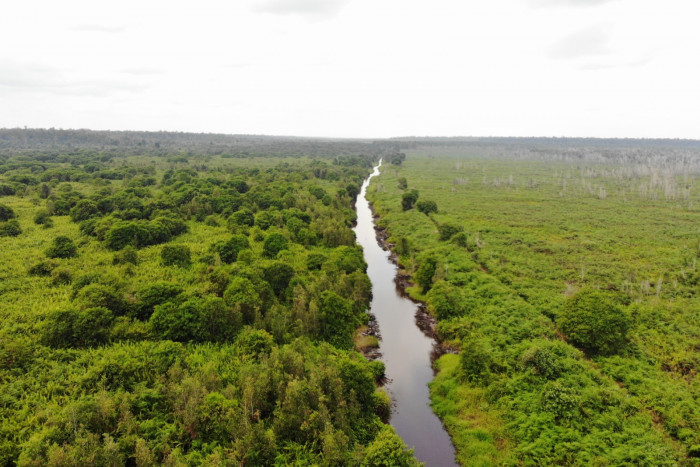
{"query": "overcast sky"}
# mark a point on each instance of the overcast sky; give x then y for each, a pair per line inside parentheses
(358, 68)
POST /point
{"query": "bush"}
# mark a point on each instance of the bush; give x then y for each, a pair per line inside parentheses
(242, 295)
(83, 210)
(155, 294)
(382, 405)
(548, 358)
(77, 328)
(278, 275)
(176, 255)
(62, 247)
(180, 323)
(448, 230)
(242, 217)
(426, 271)
(228, 251)
(593, 321)
(274, 243)
(338, 320)
(99, 295)
(475, 359)
(6, 213)
(220, 323)
(10, 228)
(388, 449)
(61, 276)
(315, 261)
(7, 190)
(378, 370)
(127, 256)
(408, 199)
(560, 400)
(446, 301)
(42, 217)
(426, 207)
(42, 268)
(349, 259)
(253, 343)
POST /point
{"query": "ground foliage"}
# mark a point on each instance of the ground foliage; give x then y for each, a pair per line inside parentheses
(184, 306)
(566, 275)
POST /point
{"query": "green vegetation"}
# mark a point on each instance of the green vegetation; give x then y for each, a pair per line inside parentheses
(566, 277)
(185, 304)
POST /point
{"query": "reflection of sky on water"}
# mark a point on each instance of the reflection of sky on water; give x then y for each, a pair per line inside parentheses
(405, 351)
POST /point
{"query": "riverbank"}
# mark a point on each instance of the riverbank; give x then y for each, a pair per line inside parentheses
(405, 349)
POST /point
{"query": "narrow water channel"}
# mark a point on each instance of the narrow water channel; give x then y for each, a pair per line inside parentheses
(405, 349)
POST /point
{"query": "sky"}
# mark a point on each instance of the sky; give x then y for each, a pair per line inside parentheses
(354, 68)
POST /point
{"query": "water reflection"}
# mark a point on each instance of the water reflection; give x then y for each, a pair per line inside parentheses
(406, 350)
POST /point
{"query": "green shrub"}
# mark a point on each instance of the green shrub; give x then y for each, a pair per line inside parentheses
(338, 320)
(100, 295)
(7, 190)
(349, 259)
(426, 271)
(408, 199)
(548, 358)
(83, 210)
(475, 359)
(388, 450)
(446, 301)
(447, 231)
(593, 321)
(381, 404)
(42, 268)
(181, 323)
(155, 294)
(560, 400)
(378, 370)
(42, 217)
(61, 276)
(77, 328)
(126, 256)
(229, 250)
(6, 213)
(62, 247)
(278, 275)
(252, 343)
(242, 217)
(315, 260)
(10, 228)
(242, 295)
(426, 206)
(274, 243)
(176, 255)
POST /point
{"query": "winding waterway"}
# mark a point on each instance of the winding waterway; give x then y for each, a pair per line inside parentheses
(405, 349)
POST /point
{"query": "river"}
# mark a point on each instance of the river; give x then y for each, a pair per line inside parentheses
(405, 349)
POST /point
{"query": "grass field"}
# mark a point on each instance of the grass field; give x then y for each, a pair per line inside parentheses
(535, 233)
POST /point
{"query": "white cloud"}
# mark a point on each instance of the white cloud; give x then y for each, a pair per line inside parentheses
(354, 68)
(316, 8)
(100, 28)
(591, 41)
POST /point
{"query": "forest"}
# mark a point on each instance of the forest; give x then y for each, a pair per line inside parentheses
(564, 279)
(175, 299)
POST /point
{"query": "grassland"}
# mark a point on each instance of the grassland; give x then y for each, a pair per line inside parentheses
(534, 234)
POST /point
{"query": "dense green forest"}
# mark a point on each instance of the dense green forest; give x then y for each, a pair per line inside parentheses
(191, 306)
(565, 282)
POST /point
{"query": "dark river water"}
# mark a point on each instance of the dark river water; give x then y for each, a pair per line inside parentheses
(405, 349)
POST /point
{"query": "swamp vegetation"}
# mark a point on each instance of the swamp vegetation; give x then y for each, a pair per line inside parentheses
(565, 281)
